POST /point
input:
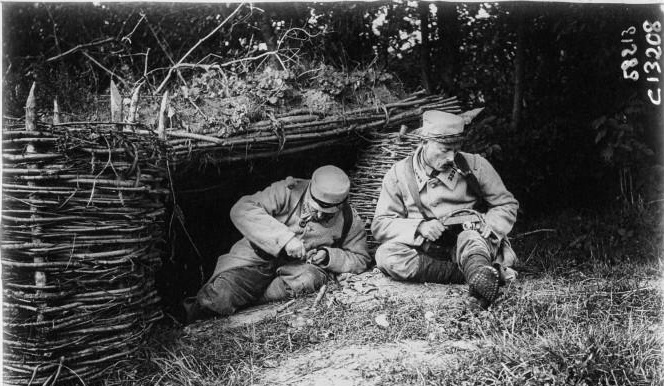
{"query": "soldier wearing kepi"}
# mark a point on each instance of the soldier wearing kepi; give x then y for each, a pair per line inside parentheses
(420, 190)
(297, 233)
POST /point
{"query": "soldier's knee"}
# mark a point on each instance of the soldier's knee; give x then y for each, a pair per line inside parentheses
(470, 242)
(469, 235)
(218, 295)
(385, 254)
(302, 278)
(397, 260)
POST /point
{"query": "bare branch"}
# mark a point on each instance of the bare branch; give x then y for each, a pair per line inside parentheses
(295, 30)
(164, 48)
(55, 30)
(161, 86)
(106, 69)
(78, 47)
(127, 37)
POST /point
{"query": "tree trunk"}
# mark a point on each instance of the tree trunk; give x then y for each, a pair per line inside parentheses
(425, 64)
(448, 42)
(519, 70)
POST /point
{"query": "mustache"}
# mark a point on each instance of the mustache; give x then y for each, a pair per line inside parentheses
(448, 162)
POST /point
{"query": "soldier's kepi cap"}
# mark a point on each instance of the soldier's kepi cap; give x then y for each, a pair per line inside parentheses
(329, 188)
(441, 127)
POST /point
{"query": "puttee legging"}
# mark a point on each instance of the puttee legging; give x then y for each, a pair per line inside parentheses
(402, 261)
(271, 280)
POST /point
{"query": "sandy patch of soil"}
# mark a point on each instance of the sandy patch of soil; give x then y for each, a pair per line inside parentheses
(336, 364)
(340, 362)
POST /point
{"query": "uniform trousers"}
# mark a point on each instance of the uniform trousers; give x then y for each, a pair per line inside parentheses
(406, 262)
(254, 280)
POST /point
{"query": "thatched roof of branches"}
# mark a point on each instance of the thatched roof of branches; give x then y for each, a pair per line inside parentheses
(232, 117)
(248, 102)
(220, 104)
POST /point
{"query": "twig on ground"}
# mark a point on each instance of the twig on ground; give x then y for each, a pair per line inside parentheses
(284, 306)
(319, 297)
(533, 232)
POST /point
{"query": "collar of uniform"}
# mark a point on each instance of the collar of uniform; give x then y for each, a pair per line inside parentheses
(422, 172)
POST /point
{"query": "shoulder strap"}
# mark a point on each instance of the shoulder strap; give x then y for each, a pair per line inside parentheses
(471, 180)
(347, 213)
(405, 169)
(297, 205)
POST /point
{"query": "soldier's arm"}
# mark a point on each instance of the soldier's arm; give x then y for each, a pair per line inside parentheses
(253, 215)
(353, 255)
(391, 222)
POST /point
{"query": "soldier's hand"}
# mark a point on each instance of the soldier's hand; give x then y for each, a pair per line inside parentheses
(431, 230)
(295, 248)
(318, 257)
(487, 232)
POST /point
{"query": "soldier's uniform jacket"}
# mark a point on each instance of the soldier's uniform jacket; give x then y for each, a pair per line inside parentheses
(397, 216)
(260, 218)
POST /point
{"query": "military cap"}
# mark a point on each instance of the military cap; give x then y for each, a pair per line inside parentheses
(441, 127)
(329, 188)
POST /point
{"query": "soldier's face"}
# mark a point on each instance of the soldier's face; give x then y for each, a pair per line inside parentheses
(439, 155)
(315, 213)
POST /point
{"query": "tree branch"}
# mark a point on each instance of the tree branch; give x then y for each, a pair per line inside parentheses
(163, 83)
(106, 69)
(78, 47)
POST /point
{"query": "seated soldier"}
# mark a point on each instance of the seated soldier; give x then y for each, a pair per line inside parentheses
(420, 190)
(296, 233)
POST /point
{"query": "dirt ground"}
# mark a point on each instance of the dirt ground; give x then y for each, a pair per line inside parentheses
(346, 363)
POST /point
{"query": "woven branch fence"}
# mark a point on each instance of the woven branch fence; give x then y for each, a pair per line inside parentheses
(83, 209)
(376, 159)
(83, 220)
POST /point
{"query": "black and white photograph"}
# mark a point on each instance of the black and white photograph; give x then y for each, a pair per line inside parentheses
(332, 193)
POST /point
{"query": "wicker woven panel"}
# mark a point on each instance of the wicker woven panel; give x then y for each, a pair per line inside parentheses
(82, 223)
(299, 131)
(382, 151)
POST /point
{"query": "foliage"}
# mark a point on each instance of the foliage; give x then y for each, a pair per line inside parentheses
(253, 93)
(621, 137)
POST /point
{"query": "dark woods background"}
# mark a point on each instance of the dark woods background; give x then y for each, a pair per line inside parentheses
(564, 127)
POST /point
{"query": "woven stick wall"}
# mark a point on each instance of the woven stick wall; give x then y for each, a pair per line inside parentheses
(296, 131)
(82, 230)
(383, 150)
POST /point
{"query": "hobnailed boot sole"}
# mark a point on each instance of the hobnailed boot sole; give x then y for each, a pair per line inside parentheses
(485, 283)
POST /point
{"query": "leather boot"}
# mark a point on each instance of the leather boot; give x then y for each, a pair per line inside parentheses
(194, 311)
(276, 291)
(438, 271)
(482, 278)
